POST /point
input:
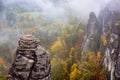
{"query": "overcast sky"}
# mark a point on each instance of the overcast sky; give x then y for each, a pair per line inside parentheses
(76, 6)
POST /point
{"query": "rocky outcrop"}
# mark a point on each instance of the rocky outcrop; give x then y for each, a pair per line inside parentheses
(93, 34)
(31, 61)
(105, 32)
(109, 20)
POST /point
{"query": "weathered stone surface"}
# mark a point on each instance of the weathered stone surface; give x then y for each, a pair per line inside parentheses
(107, 25)
(93, 34)
(31, 61)
(109, 19)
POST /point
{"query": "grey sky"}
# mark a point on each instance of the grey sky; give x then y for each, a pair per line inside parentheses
(76, 6)
(82, 7)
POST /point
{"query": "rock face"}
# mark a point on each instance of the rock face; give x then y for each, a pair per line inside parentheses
(110, 23)
(93, 34)
(103, 34)
(31, 61)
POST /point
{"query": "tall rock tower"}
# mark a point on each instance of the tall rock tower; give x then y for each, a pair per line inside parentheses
(31, 61)
(93, 34)
(109, 20)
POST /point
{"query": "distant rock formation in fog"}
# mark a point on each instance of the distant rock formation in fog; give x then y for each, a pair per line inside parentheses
(93, 34)
(108, 25)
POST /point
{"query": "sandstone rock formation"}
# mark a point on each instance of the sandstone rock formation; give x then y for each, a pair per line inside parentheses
(109, 19)
(93, 34)
(31, 61)
(106, 26)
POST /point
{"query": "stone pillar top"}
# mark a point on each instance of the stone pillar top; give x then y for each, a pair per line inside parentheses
(28, 42)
